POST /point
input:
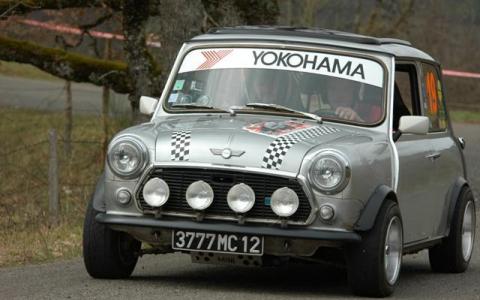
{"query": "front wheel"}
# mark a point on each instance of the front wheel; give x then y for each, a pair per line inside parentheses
(107, 253)
(374, 264)
(454, 253)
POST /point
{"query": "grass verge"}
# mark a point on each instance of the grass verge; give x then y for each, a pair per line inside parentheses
(463, 116)
(26, 236)
(24, 70)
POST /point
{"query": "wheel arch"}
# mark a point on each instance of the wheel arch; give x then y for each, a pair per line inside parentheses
(99, 194)
(453, 195)
(370, 212)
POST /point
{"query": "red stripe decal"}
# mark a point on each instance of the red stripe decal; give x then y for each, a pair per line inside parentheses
(212, 57)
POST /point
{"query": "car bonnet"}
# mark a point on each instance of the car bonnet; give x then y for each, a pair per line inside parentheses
(255, 141)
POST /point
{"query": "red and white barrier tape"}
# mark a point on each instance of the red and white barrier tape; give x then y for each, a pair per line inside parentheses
(77, 31)
(454, 73)
(106, 35)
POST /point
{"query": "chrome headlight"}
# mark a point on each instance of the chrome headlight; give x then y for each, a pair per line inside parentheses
(127, 157)
(329, 172)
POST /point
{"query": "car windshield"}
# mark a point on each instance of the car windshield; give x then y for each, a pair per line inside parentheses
(334, 87)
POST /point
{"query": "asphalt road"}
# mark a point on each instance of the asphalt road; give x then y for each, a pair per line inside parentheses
(173, 276)
(50, 95)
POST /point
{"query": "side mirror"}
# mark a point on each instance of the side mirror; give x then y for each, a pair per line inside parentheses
(148, 105)
(412, 125)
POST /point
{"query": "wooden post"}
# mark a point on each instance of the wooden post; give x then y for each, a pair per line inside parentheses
(53, 203)
(67, 136)
(105, 103)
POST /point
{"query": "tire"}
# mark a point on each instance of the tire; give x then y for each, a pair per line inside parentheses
(367, 260)
(453, 254)
(107, 253)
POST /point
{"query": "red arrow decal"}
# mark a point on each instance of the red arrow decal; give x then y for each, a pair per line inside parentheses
(212, 57)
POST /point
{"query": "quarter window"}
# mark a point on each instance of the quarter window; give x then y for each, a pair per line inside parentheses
(433, 102)
(405, 97)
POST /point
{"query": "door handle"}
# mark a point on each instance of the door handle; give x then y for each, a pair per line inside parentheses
(433, 156)
(462, 142)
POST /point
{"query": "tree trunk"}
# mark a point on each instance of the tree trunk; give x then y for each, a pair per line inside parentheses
(141, 67)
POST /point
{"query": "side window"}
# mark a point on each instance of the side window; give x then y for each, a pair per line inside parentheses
(405, 96)
(433, 103)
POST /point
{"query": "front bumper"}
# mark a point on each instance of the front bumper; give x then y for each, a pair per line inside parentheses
(273, 231)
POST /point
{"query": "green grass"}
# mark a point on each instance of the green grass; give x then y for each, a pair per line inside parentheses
(463, 116)
(26, 236)
(24, 70)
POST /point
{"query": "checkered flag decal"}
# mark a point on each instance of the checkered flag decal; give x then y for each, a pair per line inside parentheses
(312, 132)
(180, 145)
(277, 149)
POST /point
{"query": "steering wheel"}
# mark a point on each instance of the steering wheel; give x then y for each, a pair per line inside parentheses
(326, 113)
(185, 99)
(204, 100)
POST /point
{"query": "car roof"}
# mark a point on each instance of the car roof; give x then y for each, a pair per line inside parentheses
(396, 47)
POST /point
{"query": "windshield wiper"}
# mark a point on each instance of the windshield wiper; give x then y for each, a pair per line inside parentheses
(187, 105)
(194, 105)
(284, 108)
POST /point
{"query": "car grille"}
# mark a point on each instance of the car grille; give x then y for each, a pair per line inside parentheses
(178, 180)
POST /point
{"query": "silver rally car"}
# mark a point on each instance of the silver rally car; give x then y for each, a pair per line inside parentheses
(277, 144)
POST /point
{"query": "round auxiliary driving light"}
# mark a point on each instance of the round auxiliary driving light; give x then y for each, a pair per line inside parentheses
(123, 196)
(284, 202)
(241, 198)
(156, 192)
(327, 212)
(199, 195)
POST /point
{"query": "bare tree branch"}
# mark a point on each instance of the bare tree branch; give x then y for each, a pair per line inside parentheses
(372, 19)
(85, 31)
(97, 22)
(252, 12)
(12, 7)
(69, 66)
(358, 16)
(401, 18)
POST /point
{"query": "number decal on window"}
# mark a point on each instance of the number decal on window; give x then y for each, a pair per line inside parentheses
(432, 96)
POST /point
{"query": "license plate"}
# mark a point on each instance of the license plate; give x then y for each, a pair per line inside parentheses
(217, 242)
